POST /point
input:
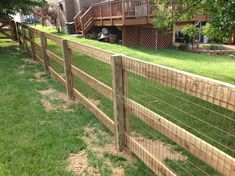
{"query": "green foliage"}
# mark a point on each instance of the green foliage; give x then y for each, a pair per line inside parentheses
(214, 34)
(190, 30)
(221, 13)
(163, 18)
(169, 12)
(212, 47)
(22, 6)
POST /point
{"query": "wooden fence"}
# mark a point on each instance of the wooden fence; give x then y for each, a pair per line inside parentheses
(214, 92)
(8, 30)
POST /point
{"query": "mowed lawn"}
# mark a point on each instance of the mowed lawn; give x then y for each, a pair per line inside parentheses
(34, 141)
(217, 67)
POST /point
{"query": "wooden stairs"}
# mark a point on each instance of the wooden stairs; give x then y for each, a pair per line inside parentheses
(83, 22)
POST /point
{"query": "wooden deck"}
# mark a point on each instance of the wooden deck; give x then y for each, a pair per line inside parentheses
(115, 13)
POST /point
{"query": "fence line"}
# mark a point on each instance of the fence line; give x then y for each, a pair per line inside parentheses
(213, 91)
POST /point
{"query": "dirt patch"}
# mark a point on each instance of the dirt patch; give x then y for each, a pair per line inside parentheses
(50, 96)
(78, 163)
(91, 140)
(21, 70)
(118, 171)
(30, 61)
(40, 77)
(159, 149)
(108, 148)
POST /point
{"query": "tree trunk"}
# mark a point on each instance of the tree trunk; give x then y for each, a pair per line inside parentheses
(230, 38)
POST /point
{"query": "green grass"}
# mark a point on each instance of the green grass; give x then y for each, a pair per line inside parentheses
(36, 142)
(217, 67)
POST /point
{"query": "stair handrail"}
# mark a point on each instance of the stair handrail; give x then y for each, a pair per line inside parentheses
(89, 10)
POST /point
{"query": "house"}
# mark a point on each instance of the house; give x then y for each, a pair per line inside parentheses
(128, 21)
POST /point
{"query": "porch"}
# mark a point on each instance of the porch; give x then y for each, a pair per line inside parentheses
(115, 13)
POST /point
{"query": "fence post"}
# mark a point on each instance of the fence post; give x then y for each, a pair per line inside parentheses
(13, 31)
(118, 101)
(24, 39)
(18, 33)
(31, 36)
(44, 53)
(67, 68)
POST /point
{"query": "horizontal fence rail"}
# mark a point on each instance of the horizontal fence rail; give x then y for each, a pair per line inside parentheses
(141, 94)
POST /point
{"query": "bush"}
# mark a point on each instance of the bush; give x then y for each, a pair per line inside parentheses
(212, 47)
(191, 30)
(214, 34)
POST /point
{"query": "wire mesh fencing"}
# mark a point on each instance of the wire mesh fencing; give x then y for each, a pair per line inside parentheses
(177, 123)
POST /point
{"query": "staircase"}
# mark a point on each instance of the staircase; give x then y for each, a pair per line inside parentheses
(84, 21)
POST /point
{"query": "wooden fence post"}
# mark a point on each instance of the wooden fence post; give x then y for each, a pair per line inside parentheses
(67, 69)
(18, 33)
(31, 36)
(13, 31)
(118, 101)
(24, 39)
(44, 53)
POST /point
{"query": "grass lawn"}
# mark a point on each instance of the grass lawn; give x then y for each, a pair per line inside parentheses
(217, 67)
(36, 142)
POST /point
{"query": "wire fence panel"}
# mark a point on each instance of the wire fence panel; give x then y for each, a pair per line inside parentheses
(160, 113)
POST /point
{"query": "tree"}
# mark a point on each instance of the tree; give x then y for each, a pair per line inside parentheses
(213, 33)
(49, 13)
(10, 7)
(169, 12)
(222, 16)
(192, 31)
(221, 13)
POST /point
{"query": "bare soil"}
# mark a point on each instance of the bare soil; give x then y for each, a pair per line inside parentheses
(49, 97)
(78, 163)
(30, 61)
(21, 69)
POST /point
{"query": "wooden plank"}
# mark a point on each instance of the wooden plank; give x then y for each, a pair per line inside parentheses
(118, 101)
(5, 37)
(44, 54)
(36, 31)
(55, 75)
(213, 91)
(214, 157)
(153, 163)
(55, 57)
(38, 58)
(95, 84)
(67, 69)
(93, 52)
(94, 110)
(54, 38)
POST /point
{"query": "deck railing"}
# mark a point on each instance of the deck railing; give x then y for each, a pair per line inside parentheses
(123, 9)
